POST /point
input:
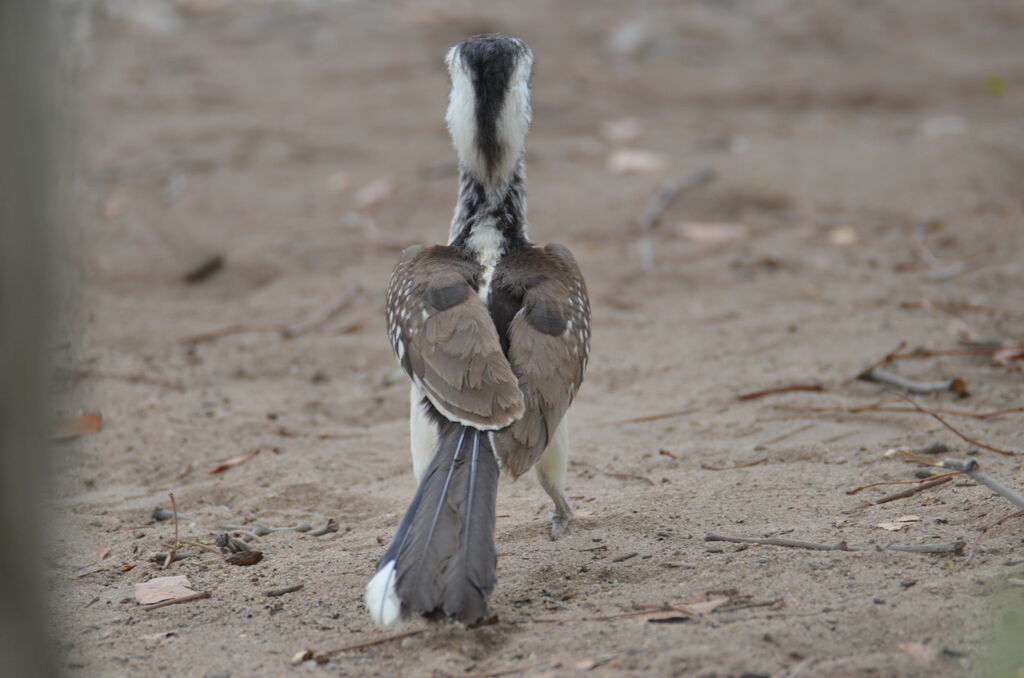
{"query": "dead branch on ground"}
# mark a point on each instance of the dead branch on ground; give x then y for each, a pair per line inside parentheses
(672, 190)
(77, 373)
(656, 417)
(884, 406)
(946, 547)
(298, 329)
(972, 470)
(900, 482)
(780, 389)
(972, 441)
(174, 547)
(910, 492)
(174, 601)
(708, 467)
(882, 376)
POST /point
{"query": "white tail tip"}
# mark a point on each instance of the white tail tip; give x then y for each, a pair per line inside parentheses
(381, 599)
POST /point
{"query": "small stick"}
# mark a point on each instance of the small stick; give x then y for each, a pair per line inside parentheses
(913, 490)
(334, 309)
(880, 406)
(955, 547)
(970, 263)
(953, 306)
(984, 531)
(370, 643)
(885, 360)
(656, 417)
(878, 375)
(228, 331)
(947, 547)
(331, 526)
(131, 378)
(901, 495)
(174, 601)
(206, 268)
(782, 437)
(780, 389)
(974, 472)
(174, 547)
(706, 467)
(900, 482)
(777, 541)
(276, 593)
(670, 192)
(927, 353)
(1007, 453)
(629, 476)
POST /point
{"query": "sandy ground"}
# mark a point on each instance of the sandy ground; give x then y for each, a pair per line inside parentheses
(865, 147)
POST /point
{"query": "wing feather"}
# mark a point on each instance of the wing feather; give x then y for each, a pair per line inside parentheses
(444, 337)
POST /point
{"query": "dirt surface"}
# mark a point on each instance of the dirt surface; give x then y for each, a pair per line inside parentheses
(866, 147)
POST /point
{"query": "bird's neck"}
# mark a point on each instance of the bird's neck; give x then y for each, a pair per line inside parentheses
(490, 217)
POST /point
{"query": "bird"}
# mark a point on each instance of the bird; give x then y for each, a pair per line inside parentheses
(494, 333)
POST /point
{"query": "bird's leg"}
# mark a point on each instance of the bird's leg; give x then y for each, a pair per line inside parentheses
(551, 471)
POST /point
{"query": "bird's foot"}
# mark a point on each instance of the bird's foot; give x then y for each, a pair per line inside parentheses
(560, 520)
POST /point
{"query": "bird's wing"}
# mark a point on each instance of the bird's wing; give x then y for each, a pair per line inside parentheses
(444, 337)
(549, 343)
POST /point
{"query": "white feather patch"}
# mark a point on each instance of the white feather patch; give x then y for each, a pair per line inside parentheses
(461, 115)
(381, 599)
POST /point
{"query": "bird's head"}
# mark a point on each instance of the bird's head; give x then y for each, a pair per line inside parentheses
(489, 104)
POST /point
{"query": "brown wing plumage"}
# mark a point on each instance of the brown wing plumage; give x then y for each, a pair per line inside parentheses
(548, 347)
(446, 341)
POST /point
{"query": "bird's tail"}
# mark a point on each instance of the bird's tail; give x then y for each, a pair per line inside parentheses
(441, 562)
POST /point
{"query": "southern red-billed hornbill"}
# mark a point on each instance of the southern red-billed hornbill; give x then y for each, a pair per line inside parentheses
(494, 332)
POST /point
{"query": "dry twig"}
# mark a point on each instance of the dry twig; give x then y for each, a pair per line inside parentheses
(900, 482)
(1007, 453)
(780, 389)
(656, 417)
(174, 601)
(276, 593)
(671, 190)
(334, 309)
(369, 643)
(881, 376)
(75, 373)
(972, 470)
(174, 546)
(910, 492)
(949, 547)
(707, 467)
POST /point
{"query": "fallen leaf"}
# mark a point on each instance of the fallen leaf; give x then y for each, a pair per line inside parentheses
(624, 131)
(713, 232)
(163, 588)
(233, 461)
(636, 161)
(77, 426)
(843, 235)
(370, 196)
(919, 651)
(899, 523)
(707, 606)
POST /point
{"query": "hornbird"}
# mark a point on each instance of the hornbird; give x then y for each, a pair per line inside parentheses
(494, 333)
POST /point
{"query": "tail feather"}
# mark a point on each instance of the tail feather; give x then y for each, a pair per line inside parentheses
(442, 561)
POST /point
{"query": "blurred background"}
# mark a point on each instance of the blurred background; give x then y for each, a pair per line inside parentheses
(244, 173)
